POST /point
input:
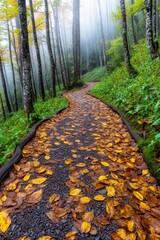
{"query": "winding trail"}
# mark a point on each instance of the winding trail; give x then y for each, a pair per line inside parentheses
(85, 151)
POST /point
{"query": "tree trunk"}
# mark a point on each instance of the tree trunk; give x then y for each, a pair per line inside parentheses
(40, 75)
(102, 34)
(76, 39)
(26, 63)
(129, 67)
(53, 68)
(154, 19)
(12, 67)
(2, 106)
(133, 27)
(152, 46)
(5, 87)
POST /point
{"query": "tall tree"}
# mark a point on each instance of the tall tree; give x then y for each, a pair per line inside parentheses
(5, 87)
(125, 39)
(152, 46)
(26, 63)
(154, 19)
(133, 26)
(40, 75)
(102, 33)
(76, 39)
(53, 67)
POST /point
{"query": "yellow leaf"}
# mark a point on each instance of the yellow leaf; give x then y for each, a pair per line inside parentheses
(85, 200)
(25, 238)
(38, 181)
(145, 172)
(28, 187)
(126, 211)
(12, 186)
(110, 191)
(89, 216)
(99, 198)
(85, 227)
(138, 195)
(74, 155)
(75, 192)
(114, 176)
(25, 151)
(105, 164)
(49, 172)
(102, 178)
(122, 233)
(47, 157)
(131, 225)
(5, 221)
(4, 198)
(36, 164)
(54, 198)
(109, 145)
(81, 165)
(144, 206)
(134, 185)
(41, 169)
(68, 161)
(73, 180)
(26, 177)
(45, 238)
(70, 234)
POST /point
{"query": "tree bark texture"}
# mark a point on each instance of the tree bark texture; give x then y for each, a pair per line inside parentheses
(76, 39)
(26, 64)
(5, 87)
(133, 26)
(40, 74)
(52, 62)
(152, 46)
(125, 39)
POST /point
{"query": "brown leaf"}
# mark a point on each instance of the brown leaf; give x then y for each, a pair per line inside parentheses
(126, 211)
(35, 197)
(87, 217)
(54, 198)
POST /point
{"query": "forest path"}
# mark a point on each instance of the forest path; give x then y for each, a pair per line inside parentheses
(83, 176)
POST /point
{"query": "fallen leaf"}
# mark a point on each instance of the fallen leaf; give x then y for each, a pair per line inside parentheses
(45, 238)
(60, 212)
(145, 172)
(12, 186)
(102, 178)
(144, 206)
(70, 234)
(110, 191)
(49, 172)
(54, 198)
(122, 233)
(131, 225)
(35, 197)
(36, 164)
(41, 169)
(126, 211)
(4, 198)
(47, 157)
(105, 164)
(99, 198)
(85, 200)
(87, 217)
(75, 192)
(138, 195)
(5, 221)
(17, 167)
(85, 227)
(134, 185)
(38, 181)
(26, 177)
(68, 161)
(81, 165)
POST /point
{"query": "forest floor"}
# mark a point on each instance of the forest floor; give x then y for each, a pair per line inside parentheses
(81, 177)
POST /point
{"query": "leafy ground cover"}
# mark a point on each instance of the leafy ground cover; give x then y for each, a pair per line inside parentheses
(17, 126)
(139, 99)
(94, 75)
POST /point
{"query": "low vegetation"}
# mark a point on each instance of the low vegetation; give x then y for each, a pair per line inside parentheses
(138, 99)
(17, 126)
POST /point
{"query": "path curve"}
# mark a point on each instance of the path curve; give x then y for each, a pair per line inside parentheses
(86, 151)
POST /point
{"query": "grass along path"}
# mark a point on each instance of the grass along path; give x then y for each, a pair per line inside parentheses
(81, 177)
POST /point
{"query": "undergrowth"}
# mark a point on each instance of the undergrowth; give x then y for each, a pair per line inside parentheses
(17, 126)
(138, 98)
(94, 75)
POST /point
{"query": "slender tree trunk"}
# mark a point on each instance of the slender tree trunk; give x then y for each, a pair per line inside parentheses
(152, 46)
(154, 19)
(12, 67)
(76, 39)
(102, 34)
(125, 39)
(40, 75)
(53, 68)
(26, 63)
(5, 87)
(2, 106)
(133, 27)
